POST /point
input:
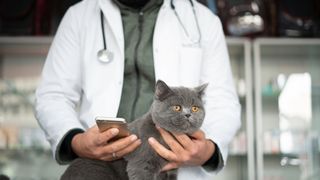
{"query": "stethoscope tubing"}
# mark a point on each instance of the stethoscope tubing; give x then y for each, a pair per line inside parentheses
(176, 14)
(103, 32)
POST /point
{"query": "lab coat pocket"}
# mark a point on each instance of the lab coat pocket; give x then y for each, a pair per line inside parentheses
(190, 66)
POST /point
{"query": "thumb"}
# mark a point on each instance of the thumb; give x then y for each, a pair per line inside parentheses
(170, 166)
(198, 135)
(109, 134)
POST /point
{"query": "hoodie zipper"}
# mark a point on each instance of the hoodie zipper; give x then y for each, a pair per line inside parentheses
(138, 80)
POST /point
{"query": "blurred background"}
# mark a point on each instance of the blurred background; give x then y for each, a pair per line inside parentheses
(274, 49)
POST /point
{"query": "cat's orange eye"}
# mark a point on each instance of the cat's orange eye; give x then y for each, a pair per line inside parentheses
(195, 109)
(177, 108)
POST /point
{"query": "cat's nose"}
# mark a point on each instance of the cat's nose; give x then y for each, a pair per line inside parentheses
(188, 115)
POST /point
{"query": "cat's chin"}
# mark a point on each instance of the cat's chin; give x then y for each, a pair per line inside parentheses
(185, 128)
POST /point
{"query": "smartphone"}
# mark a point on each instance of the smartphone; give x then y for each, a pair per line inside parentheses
(105, 123)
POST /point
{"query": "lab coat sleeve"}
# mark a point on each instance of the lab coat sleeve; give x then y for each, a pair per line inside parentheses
(221, 102)
(59, 91)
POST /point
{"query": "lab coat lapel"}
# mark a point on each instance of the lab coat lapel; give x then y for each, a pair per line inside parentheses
(113, 18)
(166, 43)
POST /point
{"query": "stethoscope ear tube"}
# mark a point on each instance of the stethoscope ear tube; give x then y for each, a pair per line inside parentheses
(182, 25)
(174, 7)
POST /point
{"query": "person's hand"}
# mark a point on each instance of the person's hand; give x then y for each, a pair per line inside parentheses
(192, 150)
(96, 145)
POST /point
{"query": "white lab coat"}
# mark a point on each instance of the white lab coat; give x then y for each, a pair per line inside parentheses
(73, 75)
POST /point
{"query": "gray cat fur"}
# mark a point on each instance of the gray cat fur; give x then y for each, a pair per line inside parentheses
(144, 163)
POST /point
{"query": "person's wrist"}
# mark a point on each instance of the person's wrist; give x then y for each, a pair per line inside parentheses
(215, 162)
(211, 148)
(75, 143)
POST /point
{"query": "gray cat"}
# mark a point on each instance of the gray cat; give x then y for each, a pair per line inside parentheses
(175, 109)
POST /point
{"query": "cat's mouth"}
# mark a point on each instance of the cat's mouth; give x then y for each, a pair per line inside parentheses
(181, 121)
(182, 124)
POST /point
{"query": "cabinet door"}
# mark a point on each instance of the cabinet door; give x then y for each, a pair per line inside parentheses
(287, 99)
(240, 163)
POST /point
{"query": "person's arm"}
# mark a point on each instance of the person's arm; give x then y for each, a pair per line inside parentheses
(58, 95)
(184, 150)
(60, 89)
(65, 151)
(221, 102)
(222, 118)
(215, 163)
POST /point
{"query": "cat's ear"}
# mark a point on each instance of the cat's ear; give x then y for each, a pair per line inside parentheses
(200, 89)
(162, 90)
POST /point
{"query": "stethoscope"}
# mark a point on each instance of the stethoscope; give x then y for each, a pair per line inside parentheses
(106, 56)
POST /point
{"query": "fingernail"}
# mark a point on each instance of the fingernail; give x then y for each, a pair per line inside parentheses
(114, 131)
(158, 127)
(151, 140)
(133, 137)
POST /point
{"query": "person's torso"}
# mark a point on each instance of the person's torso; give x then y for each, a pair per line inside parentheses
(175, 61)
(139, 78)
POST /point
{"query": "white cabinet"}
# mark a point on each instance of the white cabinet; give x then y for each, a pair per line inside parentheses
(287, 89)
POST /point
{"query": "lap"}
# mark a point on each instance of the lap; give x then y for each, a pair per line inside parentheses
(84, 169)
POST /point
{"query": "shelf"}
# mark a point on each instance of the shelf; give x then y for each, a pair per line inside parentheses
(237, 154)
(23, 46)
(237, 40)
(48, 40)
(230, 40)
(287, 41)
(26, 40)
(8, 44)
(39, 45)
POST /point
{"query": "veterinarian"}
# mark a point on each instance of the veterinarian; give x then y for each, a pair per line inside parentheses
(104, 61)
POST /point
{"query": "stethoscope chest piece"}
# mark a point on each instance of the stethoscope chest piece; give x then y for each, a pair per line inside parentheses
(105, 56)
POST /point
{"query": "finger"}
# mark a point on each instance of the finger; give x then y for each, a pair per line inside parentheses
(94, 129)
(110, 157)
(129, 148)
(161, 150)
(171, 141)
(184, 140)
(118, 155)
(105, 136)
(199, 135)
(119, 144)
(170, 166)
